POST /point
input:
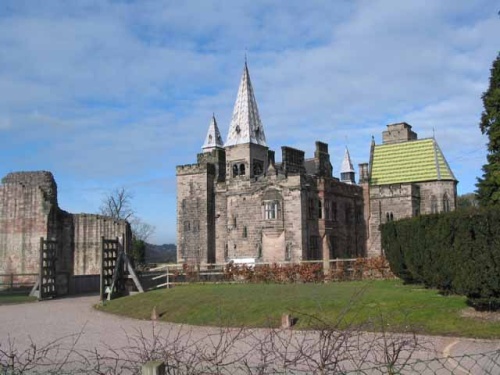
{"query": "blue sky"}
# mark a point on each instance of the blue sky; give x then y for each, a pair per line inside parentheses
(106, 94)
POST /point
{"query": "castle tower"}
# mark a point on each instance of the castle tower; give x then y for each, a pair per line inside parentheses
(196, 200)
(246, 147)
(347, 170)
(213, 139)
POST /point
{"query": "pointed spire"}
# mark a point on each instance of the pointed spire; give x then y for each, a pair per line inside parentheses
(213, 139)
(346, 163)
(245, 126)
(347, 170)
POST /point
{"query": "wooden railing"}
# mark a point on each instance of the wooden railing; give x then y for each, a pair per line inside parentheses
(167, 275)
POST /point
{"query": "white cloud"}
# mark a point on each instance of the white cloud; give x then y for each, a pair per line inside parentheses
(107, 94)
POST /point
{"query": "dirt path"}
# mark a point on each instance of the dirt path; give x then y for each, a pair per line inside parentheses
(47, 321)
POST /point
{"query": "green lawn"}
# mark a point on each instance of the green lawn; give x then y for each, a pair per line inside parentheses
(11, 298)
(366, 303)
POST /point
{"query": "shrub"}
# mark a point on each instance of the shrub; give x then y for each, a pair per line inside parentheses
(456, 252)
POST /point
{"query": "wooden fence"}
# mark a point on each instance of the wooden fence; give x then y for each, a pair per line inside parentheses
(168, 275)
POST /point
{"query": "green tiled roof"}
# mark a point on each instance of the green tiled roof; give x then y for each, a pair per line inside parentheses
(412, 161)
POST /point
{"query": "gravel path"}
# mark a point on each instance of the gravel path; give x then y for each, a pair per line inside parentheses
(47, 321)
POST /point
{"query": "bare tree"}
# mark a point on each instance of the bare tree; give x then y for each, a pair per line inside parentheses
(117, 204)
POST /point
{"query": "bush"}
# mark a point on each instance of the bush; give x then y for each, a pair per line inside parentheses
(456, 252)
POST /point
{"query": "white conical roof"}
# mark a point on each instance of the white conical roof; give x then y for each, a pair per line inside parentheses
(246, 126)
(213, 138)
(346, 163)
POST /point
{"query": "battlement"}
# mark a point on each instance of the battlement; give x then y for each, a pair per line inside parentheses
(41, 179)
(191, 168)
(187, 169)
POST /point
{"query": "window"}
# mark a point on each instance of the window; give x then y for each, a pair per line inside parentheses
(347, 214)
(258, 167)
(313, 248)
(272, 210)
(446, 203)
(389, 216)
(226, 251)
(196, 225)
(320, 209)
(333, 243)
(242, 169)
(259, 251)
(245, 232)
(187, 226)
(328, 212)
(288, 252)
(359, 215)
(312, 208)
(434, 205)
(235, 170)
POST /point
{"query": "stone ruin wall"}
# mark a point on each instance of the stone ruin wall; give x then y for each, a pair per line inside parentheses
(88, 231)
(26, 201)
(29, 211)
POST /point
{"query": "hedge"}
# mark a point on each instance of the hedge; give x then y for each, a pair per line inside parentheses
(456, 252)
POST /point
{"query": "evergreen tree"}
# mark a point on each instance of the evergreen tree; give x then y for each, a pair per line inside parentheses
(489, 185)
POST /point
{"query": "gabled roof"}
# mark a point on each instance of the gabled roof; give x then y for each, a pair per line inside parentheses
(346, 163)
(213, 138)
(406, 162)
(245, 126)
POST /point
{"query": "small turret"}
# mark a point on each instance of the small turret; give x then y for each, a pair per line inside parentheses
(213, 139)
(347, 170)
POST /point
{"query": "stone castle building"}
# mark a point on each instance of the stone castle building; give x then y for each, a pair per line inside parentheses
(237, 203)
(406, 177)
(29, 210)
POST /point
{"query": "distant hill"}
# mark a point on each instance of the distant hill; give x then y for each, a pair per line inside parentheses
(166, 253)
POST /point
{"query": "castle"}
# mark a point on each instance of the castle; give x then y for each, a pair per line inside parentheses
(29, 211)
(238, 203)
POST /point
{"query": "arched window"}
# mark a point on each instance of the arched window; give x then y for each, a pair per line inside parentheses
(320, 209)
(288, 252)
(242, 169)
(446, 203)
(235, 170)
(434, 205)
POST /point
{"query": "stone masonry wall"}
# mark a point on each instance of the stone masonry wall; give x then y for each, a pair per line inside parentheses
(26, 200)
(29, 211)
(398, 200)
(195, 213)
(88, 232)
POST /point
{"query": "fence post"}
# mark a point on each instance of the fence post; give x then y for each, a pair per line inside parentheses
(153, 368)
(168, 280)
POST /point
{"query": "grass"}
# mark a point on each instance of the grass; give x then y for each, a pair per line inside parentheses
(14, 298)
(398, 307)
